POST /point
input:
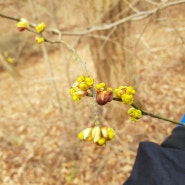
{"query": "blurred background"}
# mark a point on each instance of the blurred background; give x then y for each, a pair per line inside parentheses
(136, 42)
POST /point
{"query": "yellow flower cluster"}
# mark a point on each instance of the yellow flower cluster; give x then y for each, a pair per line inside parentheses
(97, 134)
(8, 58)
(135, 114)
(23, 24)
(103, 87)
(125, 93)
(80, 87)
(40, 27)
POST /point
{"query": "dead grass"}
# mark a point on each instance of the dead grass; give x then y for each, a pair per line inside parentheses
(38, 142)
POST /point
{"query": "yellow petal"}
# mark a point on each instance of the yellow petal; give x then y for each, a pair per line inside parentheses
(111, 133)
(101, 141)
(87, 133)
(81, 136)
(96, 133)
(104, 132)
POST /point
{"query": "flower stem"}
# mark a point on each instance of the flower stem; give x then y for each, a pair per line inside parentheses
(151, 114)
(96, 110)
(156, 116)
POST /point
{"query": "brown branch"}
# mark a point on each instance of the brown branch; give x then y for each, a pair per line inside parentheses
(133, 17)
(8, 17)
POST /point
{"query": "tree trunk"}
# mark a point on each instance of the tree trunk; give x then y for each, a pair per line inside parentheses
(111, 56)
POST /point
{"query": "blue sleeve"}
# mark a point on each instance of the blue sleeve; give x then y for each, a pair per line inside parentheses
(160, 164)
(157, 165)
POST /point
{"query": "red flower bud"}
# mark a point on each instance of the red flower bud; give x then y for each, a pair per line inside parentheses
(104, 97)
(21, 28)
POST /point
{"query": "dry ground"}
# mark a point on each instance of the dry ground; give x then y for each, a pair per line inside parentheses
(39, 122)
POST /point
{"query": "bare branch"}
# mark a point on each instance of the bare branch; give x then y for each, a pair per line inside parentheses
(134, 17)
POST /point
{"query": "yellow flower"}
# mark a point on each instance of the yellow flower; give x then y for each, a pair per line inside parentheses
(22, 24)
(40, 40)
(101, 86)
(127, 98)
(83, 86)
(10, 60)
(81, 136)
(86, 134)
(125, 93)
(130, 90)
(111, 133)
(101, 141)
(72, 91)
(84, 83)
(80, 87)
(104, 132)
(135, 114)
(119, 91)
(89, 81)
(76, 98)
(108, 133)
(40, 27)
(97, 134)
(77, 93)
(80, 79)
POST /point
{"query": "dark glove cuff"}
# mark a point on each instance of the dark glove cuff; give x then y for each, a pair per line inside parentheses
(176, 139)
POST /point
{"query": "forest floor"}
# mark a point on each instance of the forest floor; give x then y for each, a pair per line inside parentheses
(39, 122)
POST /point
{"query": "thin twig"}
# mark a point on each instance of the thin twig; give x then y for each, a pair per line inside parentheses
(133, 17)
(151, 114)
(51, 75)
(8, 17)
(147, 113)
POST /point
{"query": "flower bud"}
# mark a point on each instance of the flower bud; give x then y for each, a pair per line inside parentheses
(86, 134)
(40, 27)
(99, 135)
(104, 132)
(104, 97)
(127, 98)
(111, 133)
(101, 87)
(76, 98)
(135, 114)
(80, 79)
(96, 133)
(130, 90)
(101, 141)
(89, 81)
(83, 86)
(39, 40)
(22, 24)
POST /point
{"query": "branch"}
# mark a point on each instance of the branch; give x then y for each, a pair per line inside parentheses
(132, 17)
(8, 17)
(151, 114)
(136, 16)
(148, 113)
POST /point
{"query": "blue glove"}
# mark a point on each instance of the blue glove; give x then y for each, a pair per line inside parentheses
(182, 121)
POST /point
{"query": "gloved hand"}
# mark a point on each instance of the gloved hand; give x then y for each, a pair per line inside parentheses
(182, 120)
(177, 138)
